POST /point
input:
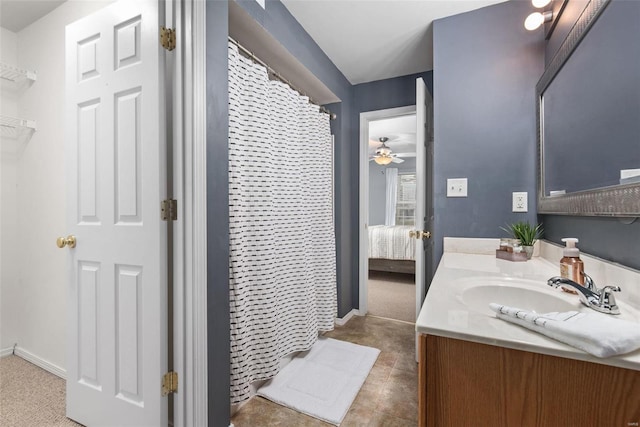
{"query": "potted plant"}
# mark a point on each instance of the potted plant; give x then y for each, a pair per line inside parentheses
(526, 233)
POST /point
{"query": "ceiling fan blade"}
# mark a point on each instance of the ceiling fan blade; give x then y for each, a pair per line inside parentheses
(405, 154)
(397, 160)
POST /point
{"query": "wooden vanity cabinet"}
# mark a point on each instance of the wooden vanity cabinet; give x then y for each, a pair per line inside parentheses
(462, 383)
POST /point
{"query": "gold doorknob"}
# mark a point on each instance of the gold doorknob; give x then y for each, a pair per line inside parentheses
(66, 241)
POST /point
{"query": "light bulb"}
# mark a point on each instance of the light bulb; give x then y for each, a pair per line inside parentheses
(540, 3)
(536, 19)
(382, 160)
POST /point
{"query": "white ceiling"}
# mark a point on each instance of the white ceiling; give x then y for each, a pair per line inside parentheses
(15, 15)
(401, 132)
(368, 40)
(372, 40)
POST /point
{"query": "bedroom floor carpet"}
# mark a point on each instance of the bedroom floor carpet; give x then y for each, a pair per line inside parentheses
(392, 295)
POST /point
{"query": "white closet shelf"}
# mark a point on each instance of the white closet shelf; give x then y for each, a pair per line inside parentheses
(13, 127)
(15, 74)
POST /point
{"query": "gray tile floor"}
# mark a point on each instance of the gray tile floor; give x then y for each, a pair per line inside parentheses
(389, 396)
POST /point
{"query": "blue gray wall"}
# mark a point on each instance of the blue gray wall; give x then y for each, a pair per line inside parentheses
(609, 238)
(486, 66)
(218, 329)
(388, 93)
(613, 239)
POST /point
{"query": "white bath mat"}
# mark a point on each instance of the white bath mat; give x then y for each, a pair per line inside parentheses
(324, 381)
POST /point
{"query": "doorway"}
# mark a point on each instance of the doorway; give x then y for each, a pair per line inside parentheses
(423, 212)
(383, 121)
(392, 207)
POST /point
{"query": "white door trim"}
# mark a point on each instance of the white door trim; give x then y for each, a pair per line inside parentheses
(365, 118)
(191, 316)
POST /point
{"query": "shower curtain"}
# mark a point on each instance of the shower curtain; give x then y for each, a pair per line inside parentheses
(281, 231)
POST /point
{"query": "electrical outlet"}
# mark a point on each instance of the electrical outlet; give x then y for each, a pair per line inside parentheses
(520, 202)
(457, 187)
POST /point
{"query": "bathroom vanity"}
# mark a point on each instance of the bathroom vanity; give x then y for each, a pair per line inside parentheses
(476, 369)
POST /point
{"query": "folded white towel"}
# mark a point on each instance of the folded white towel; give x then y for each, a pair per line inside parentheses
(599, 334)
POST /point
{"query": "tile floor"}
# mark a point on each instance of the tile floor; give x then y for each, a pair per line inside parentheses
(389, 397)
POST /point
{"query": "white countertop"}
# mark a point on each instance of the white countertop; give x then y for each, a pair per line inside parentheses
(444, 313)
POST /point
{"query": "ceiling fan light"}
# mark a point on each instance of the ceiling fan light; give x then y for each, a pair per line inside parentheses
(382, 160)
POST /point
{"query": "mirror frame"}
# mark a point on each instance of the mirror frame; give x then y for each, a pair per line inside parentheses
(614, 201)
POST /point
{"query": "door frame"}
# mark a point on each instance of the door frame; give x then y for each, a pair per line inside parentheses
(363, 267)
(190, 231)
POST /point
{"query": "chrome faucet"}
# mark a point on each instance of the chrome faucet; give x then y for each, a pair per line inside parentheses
(601, 300)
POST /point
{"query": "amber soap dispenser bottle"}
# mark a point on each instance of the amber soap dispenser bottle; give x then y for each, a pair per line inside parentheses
(571, 266)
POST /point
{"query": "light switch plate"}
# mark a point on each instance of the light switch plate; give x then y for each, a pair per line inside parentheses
(457, 187)
(520, 201)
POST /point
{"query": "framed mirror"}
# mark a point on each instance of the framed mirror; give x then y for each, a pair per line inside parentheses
(589, 116)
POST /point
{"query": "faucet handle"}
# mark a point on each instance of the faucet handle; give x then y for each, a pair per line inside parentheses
(589, 283)
(608, 300)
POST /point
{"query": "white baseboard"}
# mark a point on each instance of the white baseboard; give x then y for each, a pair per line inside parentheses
(38, 361)
(343, 321)
(6, 352)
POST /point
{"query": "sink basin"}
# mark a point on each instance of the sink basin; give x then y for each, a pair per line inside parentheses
(477, 294)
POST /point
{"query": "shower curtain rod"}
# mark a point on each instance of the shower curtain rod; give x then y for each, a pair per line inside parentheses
(277, 75)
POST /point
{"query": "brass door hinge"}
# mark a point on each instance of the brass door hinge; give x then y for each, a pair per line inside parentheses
(169, 210)
(169, 383)
(168, 38)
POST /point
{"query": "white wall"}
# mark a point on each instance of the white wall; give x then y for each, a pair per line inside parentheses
(8, 185)
(34, 306)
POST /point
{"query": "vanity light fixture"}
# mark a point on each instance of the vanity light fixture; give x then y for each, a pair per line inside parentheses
(540, 3)
(536, 19)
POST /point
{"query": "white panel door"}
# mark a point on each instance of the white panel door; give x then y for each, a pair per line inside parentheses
(115, 157)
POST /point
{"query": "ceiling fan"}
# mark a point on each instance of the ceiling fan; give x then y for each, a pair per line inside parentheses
(384, 155)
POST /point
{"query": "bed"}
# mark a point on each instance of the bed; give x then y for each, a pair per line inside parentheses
(391, 249)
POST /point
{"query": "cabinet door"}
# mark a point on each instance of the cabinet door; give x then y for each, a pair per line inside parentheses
(466, 383)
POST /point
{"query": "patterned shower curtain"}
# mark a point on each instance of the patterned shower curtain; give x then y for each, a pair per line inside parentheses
(282, 240)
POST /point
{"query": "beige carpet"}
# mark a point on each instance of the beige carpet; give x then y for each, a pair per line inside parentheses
(30, 396)
(392, 295)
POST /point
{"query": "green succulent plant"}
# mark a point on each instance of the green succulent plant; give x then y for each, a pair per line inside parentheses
(525, 232)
